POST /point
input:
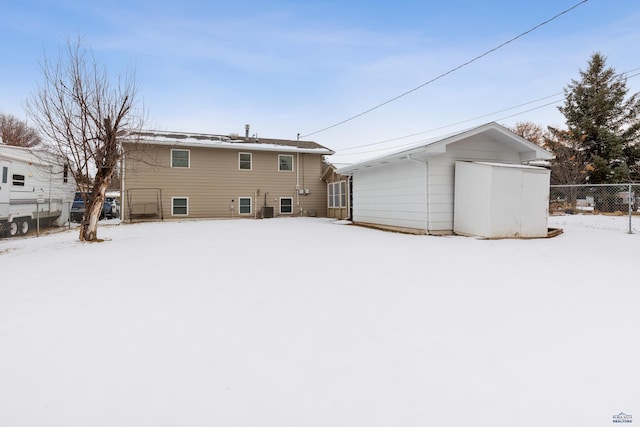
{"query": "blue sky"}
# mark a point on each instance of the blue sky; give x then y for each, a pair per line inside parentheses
(289, 67)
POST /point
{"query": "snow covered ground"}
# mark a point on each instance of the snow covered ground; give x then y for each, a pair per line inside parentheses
(309, 322)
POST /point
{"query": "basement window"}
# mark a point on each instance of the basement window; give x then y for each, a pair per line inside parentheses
(286, 205)
(245, 205)
(179, 206)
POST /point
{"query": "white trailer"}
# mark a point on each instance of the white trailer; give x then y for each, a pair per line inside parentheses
(36, 187)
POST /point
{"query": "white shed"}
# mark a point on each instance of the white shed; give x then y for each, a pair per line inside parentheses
(495, 200)
(413, 189)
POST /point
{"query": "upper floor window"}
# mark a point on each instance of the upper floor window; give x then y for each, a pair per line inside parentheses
(179, 158)
(244, 161)
(285, 162)
(5, 174)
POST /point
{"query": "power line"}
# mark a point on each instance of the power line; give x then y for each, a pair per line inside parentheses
(457, 123)
(408, 144)
(626, 74)
(448, 72)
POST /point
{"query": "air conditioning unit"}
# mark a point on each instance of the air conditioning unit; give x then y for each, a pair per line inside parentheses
(267, 212)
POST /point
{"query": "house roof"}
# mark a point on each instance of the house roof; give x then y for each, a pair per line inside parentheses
(232, 141)
(422, 151)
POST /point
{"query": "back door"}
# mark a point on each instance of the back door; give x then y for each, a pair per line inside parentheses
(5, 188)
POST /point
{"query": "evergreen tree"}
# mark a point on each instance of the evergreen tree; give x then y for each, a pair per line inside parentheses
(605, 121)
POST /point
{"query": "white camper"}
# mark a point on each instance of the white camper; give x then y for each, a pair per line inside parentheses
(35, 188)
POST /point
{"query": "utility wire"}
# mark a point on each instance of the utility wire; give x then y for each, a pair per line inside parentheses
(457, 123)
(448, 72)
(408, 144)
(625, 74)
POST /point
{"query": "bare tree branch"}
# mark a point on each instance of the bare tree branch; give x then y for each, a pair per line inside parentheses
(81, 112)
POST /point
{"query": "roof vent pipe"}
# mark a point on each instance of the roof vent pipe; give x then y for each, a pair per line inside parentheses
(246, 131)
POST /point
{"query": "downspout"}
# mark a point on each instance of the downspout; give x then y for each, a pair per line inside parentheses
(122, 204)
(426, 191)
(298, 181)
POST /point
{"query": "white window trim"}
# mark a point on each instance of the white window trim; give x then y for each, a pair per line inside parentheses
(250, 205)
(172, 206)
(188, 158)
(250, 161)
(280, 206)
(292, 162)
(337, 192)
(330, 190)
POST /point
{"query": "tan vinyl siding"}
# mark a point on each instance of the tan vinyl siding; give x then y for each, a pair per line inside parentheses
(338, 212)
(214, 182)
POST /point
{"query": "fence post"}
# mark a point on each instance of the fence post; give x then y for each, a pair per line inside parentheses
(630, 208)
(37, 218)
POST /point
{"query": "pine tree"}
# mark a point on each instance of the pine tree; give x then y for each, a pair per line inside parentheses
(599, 114)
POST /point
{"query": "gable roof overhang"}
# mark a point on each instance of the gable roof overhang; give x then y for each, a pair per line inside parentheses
(232, 142)
(527, 150)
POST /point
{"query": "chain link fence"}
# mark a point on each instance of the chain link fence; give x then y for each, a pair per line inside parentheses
(33, 220)
(609, 206)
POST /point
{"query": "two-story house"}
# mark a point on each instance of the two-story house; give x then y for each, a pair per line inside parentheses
(171, 175)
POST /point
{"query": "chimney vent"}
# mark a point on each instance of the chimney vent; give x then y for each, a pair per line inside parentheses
(246, 131)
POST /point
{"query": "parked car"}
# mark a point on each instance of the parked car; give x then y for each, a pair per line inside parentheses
(78, 211)
(115, 207)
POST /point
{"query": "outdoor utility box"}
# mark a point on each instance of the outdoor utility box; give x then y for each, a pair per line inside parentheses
(496, 200)
(267, 212)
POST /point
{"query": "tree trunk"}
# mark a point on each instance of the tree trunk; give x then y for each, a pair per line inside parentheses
(89, 228)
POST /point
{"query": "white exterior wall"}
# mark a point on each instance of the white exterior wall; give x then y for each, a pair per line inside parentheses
(44, 192)
(441, 179)
(393, 194)
(496, 201)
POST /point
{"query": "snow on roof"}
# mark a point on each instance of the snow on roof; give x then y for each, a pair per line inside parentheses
(438, 145)
(227, 141)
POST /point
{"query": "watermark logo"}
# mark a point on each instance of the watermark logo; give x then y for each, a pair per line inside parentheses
(622, 418)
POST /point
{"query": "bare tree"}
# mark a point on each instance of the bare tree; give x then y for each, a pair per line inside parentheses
(531, 132)
(82, 112)
(16, 132)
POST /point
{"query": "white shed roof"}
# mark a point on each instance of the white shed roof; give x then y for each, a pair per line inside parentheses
(528, 151)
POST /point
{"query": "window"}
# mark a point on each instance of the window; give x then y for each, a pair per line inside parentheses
(179, 158)
(5, 174)
(179, 206)
(244, 205)
(286, 205)
(285, 162)
(18, 180)
(244, 161)
(65, 173)
(337, 194)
